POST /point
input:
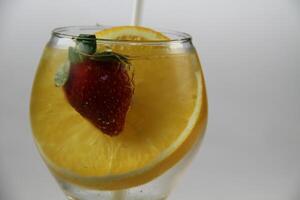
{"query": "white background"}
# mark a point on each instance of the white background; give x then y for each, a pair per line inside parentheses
(250, 52)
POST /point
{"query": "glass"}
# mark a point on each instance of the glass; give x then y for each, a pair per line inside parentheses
(151, 103)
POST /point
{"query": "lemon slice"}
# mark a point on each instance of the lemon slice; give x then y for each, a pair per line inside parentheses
(168, 114)
(131, 33)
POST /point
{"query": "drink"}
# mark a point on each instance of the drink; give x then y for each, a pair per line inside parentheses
(165, 119)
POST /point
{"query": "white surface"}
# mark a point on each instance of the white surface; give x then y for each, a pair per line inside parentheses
(250, 55)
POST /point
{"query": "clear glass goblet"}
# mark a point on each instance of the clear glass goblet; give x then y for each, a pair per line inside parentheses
(117, 118)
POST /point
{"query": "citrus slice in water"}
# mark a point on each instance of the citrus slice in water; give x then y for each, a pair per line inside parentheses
(131, 33)
(167, 115)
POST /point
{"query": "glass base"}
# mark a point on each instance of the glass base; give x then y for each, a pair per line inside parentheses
(144, 192)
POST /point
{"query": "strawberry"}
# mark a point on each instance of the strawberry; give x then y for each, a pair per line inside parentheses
(100, 88)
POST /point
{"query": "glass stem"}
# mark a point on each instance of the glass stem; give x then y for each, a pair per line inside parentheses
(119, 195)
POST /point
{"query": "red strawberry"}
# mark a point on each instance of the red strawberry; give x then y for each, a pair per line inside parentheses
(101, 91)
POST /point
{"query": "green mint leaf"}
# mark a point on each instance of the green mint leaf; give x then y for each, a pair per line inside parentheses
(62, 74)
(86, 44)
(75, 56)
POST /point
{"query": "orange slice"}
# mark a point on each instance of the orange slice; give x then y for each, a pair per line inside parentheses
(131, 33)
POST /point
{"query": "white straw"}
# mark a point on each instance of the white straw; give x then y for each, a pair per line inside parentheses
(137, 12)
(135, 21)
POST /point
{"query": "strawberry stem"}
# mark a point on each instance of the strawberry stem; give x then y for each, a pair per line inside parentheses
(85, 48)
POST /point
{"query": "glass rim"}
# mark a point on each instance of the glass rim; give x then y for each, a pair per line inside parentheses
(179, 37)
